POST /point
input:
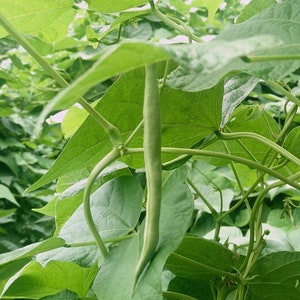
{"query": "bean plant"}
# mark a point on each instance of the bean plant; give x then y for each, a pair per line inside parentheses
(179, 150)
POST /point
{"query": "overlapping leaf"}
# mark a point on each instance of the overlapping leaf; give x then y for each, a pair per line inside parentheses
(114, 6)
(186, 119)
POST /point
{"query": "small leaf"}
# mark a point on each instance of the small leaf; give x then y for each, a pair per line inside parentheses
(5, 193)
(212, 7)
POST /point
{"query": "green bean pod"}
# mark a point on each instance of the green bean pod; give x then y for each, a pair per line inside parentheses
(152, 157)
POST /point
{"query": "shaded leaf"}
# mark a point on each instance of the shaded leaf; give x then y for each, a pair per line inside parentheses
(5, 193)
(197, 258)
(292, 142)
(276, 276)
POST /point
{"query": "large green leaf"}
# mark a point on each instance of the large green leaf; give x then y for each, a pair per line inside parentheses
(186, 119)
(276, 276)
(197, 258)
(114, 6)
(118, 269)
(35, 281)
(203, 68)
(177, 209)
(115, 208)
(49, 20)
(292, 141)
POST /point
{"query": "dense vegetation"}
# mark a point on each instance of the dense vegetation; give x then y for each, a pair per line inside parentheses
(149, 150)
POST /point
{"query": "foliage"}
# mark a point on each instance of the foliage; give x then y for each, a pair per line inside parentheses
(226, 225)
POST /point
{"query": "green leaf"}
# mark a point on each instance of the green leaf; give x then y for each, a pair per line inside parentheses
(115, 208)
(253, 8)
(49, 20)
(292, 141)
(107, 6)
(177, 209)
(197, 258)
(119, 268)
(247, 119)
(212, 7)
(200, 289)
(186, 119)
(5, 193)
(236, 89)
(31, 250)
(203, 65)
(118, 271)
(276, 277)
(9, 269)
(73, 120)
(35, 281)
(64, 295)
(121, 58)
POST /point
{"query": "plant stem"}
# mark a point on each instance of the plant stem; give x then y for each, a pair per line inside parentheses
(109, 158)
(262, 58)
(264, 140)
(283, 91)
(112, 131)
(183, 29)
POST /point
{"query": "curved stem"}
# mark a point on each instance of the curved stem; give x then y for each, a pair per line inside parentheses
(177, 296)
(112, 131)
(183, 29)
(109, 158)
(264, 140)
(283, 91)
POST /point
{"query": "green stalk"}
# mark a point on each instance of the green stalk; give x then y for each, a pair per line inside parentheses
(109, 158)
(262, 139)
(263, 58)
(283, 91)
(181, 28)
(111, 130)
(152, 157)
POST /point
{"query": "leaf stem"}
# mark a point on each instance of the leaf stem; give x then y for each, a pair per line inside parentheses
(109, 158)
(262, 139)
(182, 29)
(263, 58)
(110, 129)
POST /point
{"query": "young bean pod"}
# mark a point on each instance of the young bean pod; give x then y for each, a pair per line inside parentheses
(152, 157)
